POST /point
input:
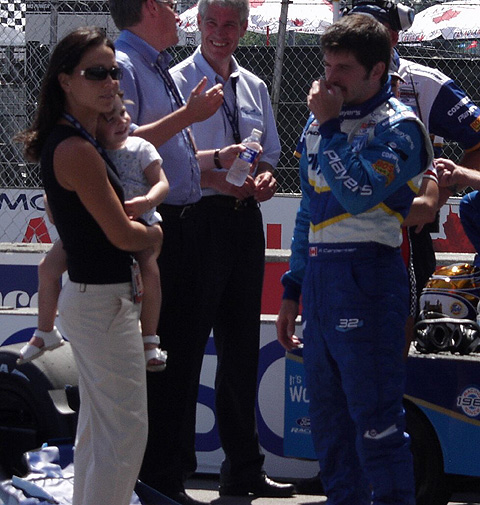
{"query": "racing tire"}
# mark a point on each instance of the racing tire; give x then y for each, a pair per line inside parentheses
(431, 483)
(19, 427)
(34, 404)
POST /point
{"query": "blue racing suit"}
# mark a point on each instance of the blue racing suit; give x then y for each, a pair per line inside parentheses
(355, 174)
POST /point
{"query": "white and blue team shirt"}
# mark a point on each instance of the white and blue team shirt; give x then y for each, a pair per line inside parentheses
(440, 104)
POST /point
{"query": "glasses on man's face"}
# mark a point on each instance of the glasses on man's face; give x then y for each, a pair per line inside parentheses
(171, 3)
(101, 73)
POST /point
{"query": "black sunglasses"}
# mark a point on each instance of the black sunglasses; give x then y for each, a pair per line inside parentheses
(101, 73)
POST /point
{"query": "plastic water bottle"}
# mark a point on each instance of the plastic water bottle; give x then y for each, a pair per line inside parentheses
(241, 166)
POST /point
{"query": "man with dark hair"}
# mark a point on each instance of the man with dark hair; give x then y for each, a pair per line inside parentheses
(148, 29)
(359, 149)
(447, 112)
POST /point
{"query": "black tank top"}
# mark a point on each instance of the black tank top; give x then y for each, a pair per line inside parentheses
(91, 257)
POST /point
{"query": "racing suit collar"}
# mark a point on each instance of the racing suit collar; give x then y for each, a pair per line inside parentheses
(361, 110)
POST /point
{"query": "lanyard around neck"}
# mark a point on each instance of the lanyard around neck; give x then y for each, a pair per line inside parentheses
(170, 84)
(76, 124)
(173, 90)
(232, 115)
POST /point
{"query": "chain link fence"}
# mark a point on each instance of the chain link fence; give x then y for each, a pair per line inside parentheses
(29, 30)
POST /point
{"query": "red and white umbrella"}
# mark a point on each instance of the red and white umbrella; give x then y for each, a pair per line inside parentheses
(306, 16)
(450, 20)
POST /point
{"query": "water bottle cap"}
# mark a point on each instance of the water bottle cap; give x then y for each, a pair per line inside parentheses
(256, 133)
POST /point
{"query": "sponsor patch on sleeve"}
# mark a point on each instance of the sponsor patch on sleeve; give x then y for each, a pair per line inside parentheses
(475, 125)
(386, 169)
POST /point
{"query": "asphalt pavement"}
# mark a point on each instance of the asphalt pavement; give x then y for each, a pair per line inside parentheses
(205, 489)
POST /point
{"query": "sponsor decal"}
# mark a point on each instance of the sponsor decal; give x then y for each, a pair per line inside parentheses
(297, 390)
(19, 286)
(458, 106)
(389, 155)
(313, 162)
(342, 250)
(457, 308)
(300, 431)
(446, 16)
(23, 219)
(251, 112)
(27, 200)
(312, 251)
(348, 324)
(301, 426)
(405, 137)
(475, 125)
(303, 422)
(386, 169)
(341, 173)
(470, 112)
(37, 231)
(347, 114)
(359, 142)
(374, 435)
(469, 401)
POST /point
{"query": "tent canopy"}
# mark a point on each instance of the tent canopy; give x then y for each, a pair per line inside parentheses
(450, 20)
(306, 16)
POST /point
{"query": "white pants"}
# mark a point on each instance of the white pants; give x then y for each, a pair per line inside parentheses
(102, 324)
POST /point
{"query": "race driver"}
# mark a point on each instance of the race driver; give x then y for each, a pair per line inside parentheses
(359, 149)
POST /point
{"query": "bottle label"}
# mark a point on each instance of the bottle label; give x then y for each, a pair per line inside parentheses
(248, 155)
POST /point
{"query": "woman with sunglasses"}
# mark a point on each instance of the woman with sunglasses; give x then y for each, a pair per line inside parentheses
(98, 312)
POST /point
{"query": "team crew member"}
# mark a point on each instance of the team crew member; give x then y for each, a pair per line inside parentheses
(359, 150)
(148, 29)
(447, 112)
(451, 174)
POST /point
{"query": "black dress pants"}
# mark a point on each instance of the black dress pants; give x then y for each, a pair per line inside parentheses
(169, 391)
(232, 256)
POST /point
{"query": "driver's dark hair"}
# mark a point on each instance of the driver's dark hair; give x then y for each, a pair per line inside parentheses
(363, 36)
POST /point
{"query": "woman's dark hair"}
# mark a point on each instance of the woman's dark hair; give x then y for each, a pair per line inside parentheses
(65, 57)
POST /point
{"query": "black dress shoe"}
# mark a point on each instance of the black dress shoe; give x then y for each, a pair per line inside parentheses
(183, 498)
(262, 486)
(312, 486)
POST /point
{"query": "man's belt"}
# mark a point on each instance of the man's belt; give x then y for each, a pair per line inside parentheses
(229, 202)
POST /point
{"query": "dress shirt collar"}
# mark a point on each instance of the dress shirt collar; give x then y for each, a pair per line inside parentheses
(205, 67)
(149, 53)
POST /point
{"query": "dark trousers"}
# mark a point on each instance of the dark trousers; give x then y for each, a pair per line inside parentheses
(170, 391)
(423, 255)
(232, 253)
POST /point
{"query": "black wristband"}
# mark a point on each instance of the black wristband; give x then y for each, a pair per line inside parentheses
(216, 158)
